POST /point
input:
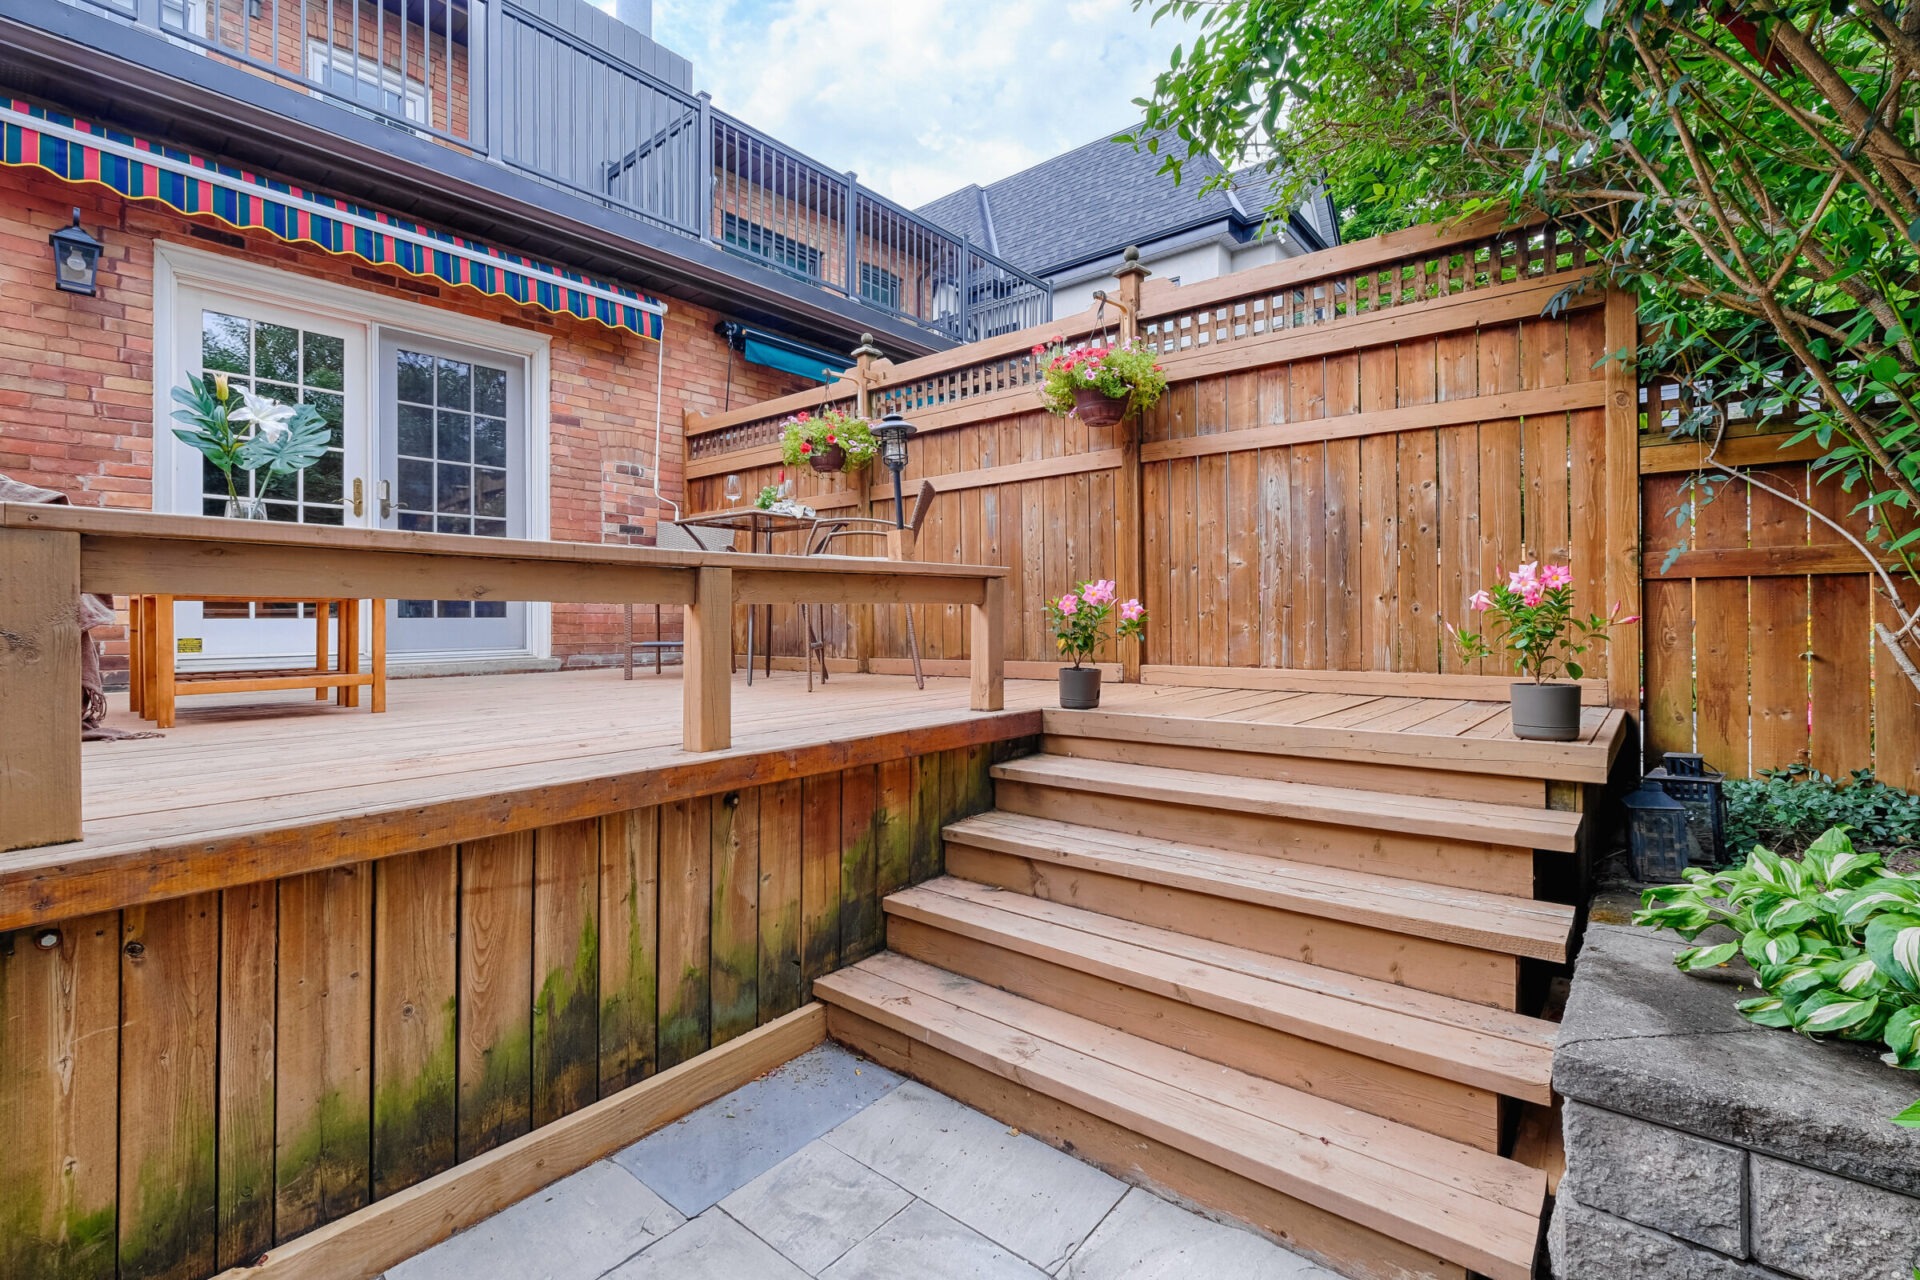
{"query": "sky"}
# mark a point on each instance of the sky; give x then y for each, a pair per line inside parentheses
(920, 97)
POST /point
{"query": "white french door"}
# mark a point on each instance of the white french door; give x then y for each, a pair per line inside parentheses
(295, 358)
(431, 431)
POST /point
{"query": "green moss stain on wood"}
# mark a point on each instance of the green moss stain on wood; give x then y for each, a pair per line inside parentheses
(819, 875)
(629, 946)
(169, 1054)
(860, 926)
(735, 946)
(249, 950)
(324, 1077)
(59, 1059)
(779, 977)
(566, 967)
(416, 1011)
(893, 827)
(927, 855)
(686, 888)
(496, 992)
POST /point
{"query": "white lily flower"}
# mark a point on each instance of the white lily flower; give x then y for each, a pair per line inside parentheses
(266, 413)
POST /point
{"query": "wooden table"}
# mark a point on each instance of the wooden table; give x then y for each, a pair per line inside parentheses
(760, 525)
(154, 683)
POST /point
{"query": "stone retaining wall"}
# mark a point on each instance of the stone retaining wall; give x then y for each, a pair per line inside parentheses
(1702, 1147)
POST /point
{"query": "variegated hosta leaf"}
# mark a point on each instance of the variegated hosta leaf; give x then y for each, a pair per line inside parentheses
(1693, 959)
(1887, 893)
(1763, 949)
(1829, 1014)
(1856, 976)
(1894, 943)
(1901, 1034)
(1768, 1011)
(1847, 867)
(1787, 914)
(1798, 980)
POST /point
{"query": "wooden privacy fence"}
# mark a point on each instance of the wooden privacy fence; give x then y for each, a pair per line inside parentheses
(1759, 635)
(49, 554)
(1354, 441)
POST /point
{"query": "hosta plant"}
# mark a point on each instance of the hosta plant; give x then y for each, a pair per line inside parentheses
(1833, 940)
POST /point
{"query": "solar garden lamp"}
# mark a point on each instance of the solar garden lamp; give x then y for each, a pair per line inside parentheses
(892, 432)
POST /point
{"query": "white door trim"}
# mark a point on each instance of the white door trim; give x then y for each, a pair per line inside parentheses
(178, 265)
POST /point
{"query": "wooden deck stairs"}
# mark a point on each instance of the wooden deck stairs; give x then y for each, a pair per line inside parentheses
(1285, 987)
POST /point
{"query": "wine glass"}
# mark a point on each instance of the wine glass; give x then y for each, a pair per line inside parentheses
(732, 490)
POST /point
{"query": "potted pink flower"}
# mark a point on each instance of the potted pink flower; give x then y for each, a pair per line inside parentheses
(1079, 620)
(1531, 617)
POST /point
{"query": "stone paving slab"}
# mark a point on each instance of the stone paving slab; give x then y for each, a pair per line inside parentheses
(921, 1243)
(1146, 1238)
(696, 1162)
(815, 1205)
(1015, 1189)
(574, 1230)
(711, 1247)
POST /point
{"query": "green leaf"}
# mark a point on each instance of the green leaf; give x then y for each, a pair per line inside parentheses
(1910, 1119)
(1596, 13)
(1894, 944)
(1767, 1011)
(1829, 1014)
(1694, 959)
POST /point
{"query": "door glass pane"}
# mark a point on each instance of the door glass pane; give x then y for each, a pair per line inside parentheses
(293, 366)
(451, 445)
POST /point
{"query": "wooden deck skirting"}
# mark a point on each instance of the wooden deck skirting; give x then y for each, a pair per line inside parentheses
(50, 554)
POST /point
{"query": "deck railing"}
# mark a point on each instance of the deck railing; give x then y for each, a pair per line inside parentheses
(48, 555)
(532, 86)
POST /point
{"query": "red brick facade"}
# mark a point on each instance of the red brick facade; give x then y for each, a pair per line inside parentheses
(76, 374)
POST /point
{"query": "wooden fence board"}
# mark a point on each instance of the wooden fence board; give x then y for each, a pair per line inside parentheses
(735, 910)
(416, 1041)
(496, 992)
(686, 929)
(629, 946)
(249, 947)
(566, 969)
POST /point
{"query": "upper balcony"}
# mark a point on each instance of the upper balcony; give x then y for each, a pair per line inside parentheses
(536, 88)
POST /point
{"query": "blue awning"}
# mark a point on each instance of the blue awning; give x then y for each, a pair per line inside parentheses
(788, 356)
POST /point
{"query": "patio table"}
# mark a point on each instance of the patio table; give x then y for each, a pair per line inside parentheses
(760, 525)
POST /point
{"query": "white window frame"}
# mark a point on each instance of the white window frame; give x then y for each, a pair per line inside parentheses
(175, 265)
(415, 100)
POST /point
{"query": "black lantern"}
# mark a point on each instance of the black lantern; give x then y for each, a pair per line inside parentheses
(76, 258)
(1658, 840)
(892, 432)
(1686, 777)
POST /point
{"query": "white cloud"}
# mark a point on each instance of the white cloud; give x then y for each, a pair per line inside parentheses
(922, 96)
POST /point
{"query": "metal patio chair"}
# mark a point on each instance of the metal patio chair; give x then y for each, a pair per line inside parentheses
(825, 535)
(672, 537)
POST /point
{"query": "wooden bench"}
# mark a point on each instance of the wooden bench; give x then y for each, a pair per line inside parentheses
(154, 683)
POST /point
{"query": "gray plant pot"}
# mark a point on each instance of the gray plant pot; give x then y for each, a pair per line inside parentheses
(1546, 712)
(1079, 688)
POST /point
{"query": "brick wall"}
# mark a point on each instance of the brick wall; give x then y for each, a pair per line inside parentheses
(76, 375)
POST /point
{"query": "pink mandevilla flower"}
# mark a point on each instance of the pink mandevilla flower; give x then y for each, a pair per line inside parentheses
(1100, 592)
(1131, 609)
(1480, 601)
(1555, 576)
(1069, 605)
(1524, 577)
(1533, 594)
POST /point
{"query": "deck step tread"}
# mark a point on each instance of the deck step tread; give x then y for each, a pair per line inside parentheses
(1467, 1206)
(1436, 1035)
(1468, 917)
(1496, 824)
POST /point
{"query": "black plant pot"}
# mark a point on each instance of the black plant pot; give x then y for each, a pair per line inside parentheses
(1079, 688)
(1546, 712)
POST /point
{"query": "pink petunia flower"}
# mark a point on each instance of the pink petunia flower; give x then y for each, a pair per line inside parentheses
(1480, 601)
(1069, 605)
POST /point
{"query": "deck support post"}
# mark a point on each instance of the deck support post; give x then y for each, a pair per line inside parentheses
(988, 645)
(39, 688)
(1623, 566)
(708, 636)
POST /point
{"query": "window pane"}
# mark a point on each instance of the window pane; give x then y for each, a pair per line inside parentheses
(490, 442)
(323, 481)
(326, 361)
(490, 528)
(489, 608)
(416, 522)
(285, 487)
(416, 608)
(489, 390)
(416, 485)
(276, 352)
(455, 436)
(333, 408)
(223, 343)
(452, 524)
(455, 495)
(416, 431)
(456, 608)
(489, 492)
(456, 384)
(324, 515)
(414, 379)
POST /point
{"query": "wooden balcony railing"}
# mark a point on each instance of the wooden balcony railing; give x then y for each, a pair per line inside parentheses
(48, 555)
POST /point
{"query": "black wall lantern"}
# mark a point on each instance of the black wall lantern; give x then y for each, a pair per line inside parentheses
(1658, 841)
(892, 432)
(76, 259)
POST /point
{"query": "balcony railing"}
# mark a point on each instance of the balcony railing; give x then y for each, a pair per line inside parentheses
(532, 91)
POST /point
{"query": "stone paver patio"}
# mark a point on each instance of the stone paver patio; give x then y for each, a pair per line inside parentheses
(833, 1167)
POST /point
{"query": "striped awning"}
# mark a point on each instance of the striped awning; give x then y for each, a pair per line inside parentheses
(82, 151)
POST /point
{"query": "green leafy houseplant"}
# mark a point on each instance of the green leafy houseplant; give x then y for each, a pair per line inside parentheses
(1833, 940)
(806, 435)
(1532, 618)
(239, 431)
(1131, 373)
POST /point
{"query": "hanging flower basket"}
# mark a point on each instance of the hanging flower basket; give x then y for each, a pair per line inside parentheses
(830, 457)
(828, 441)
(1096, 408)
